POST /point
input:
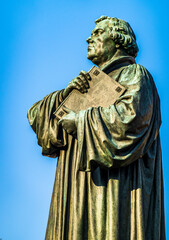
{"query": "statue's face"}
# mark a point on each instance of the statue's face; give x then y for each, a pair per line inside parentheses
(101, 47)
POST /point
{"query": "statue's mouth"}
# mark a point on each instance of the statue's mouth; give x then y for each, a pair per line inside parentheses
(90, 47)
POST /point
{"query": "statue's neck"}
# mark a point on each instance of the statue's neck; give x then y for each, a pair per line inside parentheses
(119, 55)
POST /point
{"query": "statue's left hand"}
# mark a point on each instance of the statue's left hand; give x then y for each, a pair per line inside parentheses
(68, 122)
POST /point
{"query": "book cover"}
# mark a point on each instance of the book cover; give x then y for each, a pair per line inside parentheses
(103, 92)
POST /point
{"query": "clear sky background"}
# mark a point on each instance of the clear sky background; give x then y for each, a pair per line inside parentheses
(42, 47)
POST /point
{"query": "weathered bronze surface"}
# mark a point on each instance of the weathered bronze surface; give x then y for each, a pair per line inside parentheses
(109, 183)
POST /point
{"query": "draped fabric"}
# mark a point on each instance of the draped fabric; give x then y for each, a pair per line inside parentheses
(109, 183)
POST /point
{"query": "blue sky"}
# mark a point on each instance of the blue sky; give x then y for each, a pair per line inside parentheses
(43, 47)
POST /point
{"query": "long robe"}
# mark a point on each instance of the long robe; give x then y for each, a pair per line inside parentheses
(109, 183)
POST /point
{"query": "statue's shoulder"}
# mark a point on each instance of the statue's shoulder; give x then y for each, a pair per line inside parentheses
(135, 74)
(136, 68)
(136, 71)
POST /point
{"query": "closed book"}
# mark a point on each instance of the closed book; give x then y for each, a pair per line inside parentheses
(103, 92)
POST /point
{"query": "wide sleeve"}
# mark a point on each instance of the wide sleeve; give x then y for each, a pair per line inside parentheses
(120, 134)
(41, 117)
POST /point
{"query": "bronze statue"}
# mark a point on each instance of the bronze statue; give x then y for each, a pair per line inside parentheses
(109, 183)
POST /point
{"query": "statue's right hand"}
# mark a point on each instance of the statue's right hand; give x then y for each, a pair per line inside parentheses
(80, 83)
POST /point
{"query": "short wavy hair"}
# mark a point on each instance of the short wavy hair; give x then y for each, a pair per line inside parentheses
(122, 34)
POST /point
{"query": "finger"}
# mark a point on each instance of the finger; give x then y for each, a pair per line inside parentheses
(83, 82)
(86, 75)
(76, 85)
(79, 86)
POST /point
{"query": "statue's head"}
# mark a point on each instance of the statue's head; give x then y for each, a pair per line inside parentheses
(110, 35)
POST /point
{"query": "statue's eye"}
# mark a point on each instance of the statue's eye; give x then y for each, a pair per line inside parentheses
(98, 32)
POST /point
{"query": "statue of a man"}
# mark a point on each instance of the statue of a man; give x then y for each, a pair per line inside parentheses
(109, 183)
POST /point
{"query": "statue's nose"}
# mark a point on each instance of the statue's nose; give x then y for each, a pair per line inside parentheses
(89, 40)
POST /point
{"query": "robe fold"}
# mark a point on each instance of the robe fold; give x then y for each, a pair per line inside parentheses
(109, 183)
